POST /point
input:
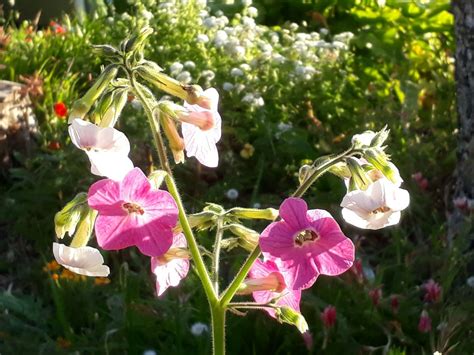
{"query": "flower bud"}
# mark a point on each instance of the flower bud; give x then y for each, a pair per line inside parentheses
(137, 41)
(84, 229)
(247, 238)
(380, 137)
(66, 220)
(254, 213)
(288, 315)
(152, 73)
(304, 172)
(424, 324)
(175, 141)
(358, 175)
(200, 221)
(106, 51)
(363, 139)
(83, 105)
(328, 317)
(340, 169)
(110, 116)
(380, 161)
(156, 178)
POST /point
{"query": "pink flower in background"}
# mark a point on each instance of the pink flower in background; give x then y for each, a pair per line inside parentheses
(375, 295)
(377, 207)
(106, 147)
(308, 340)
(305, 244)
(420, 180)
(170, 268)
(328, 316)
(432, 291)
(424, 324)
(267, 273)
(201, 128)
(131, 213)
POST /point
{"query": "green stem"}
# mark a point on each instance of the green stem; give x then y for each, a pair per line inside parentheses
(192, 245)
(239, 278)
(173, 190)
(320, 171)
(216, 254)
(218, 329)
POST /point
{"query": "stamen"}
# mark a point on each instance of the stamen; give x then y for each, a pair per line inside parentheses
(307, 235)
(131, 207)
(382, 209)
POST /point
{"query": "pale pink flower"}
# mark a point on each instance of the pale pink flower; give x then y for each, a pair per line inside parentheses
(170, 269)
(265, 271)
(305, 244)
(201, 128)
(432, 291)
(132, 213)
(424, 324)
(328, 316)
(106, 147)
(84, 260)
(377, 207)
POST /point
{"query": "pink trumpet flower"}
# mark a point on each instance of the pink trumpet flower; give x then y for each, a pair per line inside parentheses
(267, 273)
(305, 244)
(201, 128)
(171, 267)
(132, 213)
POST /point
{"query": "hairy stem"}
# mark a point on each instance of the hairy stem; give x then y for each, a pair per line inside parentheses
(173, 190)
(217, 252)
(218, 329)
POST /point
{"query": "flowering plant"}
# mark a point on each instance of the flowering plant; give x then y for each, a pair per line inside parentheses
(130, 209)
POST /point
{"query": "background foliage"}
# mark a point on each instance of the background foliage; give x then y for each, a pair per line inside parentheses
(296, 82)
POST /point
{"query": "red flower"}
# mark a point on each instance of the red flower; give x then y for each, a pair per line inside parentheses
(424, 325)
(57, 28)
(60, 109)
(328, 316)
(54, 145)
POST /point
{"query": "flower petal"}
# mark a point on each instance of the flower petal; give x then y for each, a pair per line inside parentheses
(84, 260)
(83, 134)
(109, 164)
(293, 211)
(277, 239)
(104, 196)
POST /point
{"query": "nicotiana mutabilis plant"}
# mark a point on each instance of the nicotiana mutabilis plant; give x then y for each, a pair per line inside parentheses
(129, 209)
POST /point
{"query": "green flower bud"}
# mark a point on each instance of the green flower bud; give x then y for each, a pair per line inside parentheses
(111, 114)
(254, 213)
(358, 175)
(247, 238)
(288, 315)
(380, 161)
(304, 172)
(362, 140)
(340, 169)
(201, 221)
(380, 137)
(84, 229)
(66, 220)
(83, 105)
(137, 41)
(106, 51)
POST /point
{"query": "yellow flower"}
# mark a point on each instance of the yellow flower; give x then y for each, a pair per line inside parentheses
(247, 151)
